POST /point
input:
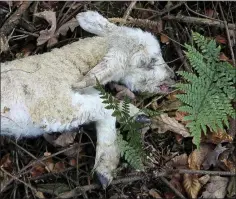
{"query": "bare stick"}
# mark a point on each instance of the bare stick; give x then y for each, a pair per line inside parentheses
(17, 179)
(129, 9)
(172, 187)
(14, 19)
(201, 21)
(228, 36)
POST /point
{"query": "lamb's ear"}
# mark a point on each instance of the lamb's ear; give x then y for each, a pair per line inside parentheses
(95, 23)
(111, 68)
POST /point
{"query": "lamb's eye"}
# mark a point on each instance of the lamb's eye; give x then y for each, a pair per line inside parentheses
(153, 60)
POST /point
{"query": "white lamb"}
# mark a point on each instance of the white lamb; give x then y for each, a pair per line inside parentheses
(53, 92)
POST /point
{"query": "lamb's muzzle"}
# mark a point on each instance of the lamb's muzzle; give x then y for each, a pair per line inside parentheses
(37, 95)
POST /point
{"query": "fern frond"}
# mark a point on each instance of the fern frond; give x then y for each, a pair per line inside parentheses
(207, 93)
(131, 148)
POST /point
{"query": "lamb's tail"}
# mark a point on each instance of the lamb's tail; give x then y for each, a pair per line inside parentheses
(95, 23)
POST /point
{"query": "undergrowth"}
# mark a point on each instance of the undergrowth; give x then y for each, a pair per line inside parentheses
(209, 91)
(128, 134)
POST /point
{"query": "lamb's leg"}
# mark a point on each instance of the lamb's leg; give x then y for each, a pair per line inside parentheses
(107, 152)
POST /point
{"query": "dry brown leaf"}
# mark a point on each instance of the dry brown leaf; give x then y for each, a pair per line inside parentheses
(192, 185)
(6, 162)
(197, 157)
(154, 194)
(209, 12)
(216, 188)
(63, 140)
(39, 194)
(179, 115)
(230, 165)
(217, 137)
(59, 167)
(220, 39)
(223, 57)
(37, 170)
(232, 187)
(212, 157)
(178, 162)
(176, 181)
(72, 24)
(74, 152)
(165, 123)
(164, 39)
(49, 164)
(47, 35)
(204, 179)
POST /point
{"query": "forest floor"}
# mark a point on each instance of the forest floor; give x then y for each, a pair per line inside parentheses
(60, 166)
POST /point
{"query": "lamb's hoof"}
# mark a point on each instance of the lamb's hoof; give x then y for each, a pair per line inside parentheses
(105, 181)
(142, 118)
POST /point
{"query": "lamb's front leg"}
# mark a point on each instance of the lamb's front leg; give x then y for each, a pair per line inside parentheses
(107, 152)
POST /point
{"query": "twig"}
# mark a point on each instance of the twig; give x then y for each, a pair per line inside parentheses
(172, 187)
(77, 191)
(129, 9)
(180, 54)
(17, 179)
(204, 172)
(27, 33)
(14, 19)
(201, 21)
(228, 36)
(194, 12)
(159, 13)
(138, 22)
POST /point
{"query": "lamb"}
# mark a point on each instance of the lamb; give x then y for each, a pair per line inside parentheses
(54, 92)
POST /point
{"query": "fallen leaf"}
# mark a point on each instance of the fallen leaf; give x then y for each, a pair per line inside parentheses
(216, 188)
(63, 140)
(197, 157)
(179, 115)
(74, 152)
(39, 194)
(165, 123)
(230, 165)
(223, 57)
(212, 157)
(232, 187)
(192, 185)
(72, 24)
(48, 34)
(217, 137)
(59, 167)
(6, 162)
(176, 181)
(204, 179)
(154, 194)
(37, 170)
(164, 39)
(220, 39)
(178, 162)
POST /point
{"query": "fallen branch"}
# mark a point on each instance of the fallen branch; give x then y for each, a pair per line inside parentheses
(228, 36)
(201, 21)
(10, 24)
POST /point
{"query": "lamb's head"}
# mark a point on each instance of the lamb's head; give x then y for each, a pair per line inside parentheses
(134, 57)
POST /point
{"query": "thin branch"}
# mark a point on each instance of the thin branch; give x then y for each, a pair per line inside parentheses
(129, 9)
(228, 36)
(172, 187)
(196, 20)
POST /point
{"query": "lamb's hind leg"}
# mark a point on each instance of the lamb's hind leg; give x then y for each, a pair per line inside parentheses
(107, 152)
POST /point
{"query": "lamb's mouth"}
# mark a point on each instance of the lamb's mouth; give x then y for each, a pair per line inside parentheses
(165, 88)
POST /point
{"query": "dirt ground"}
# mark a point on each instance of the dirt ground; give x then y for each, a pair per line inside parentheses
(50, 167)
